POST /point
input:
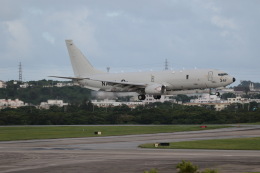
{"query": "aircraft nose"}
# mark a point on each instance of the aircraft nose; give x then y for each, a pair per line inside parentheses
(234, 79)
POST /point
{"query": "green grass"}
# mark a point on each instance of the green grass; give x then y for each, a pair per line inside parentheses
(217, 144)
(51, 132)
(256, 123)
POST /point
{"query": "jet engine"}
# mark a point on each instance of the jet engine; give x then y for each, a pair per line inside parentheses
(155, 89)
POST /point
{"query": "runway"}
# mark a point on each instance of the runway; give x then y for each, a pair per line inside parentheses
(121, 153)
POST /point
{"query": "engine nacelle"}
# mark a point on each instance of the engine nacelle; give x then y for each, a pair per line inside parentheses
(155, 89)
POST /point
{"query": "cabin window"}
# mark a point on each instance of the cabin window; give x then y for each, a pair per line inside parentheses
(187, 76)
(222, 74)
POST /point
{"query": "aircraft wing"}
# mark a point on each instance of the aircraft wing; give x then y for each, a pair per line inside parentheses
(125, 85)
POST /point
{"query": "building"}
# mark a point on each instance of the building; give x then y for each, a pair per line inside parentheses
(2, 84)
(11, 103)
(46, 105)
(217, 106)
(164, 98)
(112, 103)
(24, 85)
(242, 100)
(207, 98)
(134, 101)
(251, 87)
(60, 84)
(105, 103)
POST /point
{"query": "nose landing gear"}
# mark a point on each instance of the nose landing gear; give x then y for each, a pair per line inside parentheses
(213, 91)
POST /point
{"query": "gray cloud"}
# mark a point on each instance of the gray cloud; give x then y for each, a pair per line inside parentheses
(130, 35)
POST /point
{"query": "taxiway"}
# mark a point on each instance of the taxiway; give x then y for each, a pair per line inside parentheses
(121, 153)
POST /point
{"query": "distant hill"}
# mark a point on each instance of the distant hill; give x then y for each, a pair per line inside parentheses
(247, 83)
(37, 92)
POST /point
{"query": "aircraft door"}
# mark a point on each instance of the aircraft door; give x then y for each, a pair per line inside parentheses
(210, 76)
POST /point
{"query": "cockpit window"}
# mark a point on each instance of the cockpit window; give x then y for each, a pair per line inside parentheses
(222, 74)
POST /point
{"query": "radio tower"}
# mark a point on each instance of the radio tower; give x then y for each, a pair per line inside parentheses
(20, 72)
(166, 64)
(108, 68)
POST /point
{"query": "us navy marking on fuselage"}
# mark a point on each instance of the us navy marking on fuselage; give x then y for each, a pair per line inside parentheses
(104, 83)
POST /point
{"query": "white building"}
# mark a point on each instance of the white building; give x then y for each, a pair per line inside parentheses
(11, 103)
(60, 85)
(242, 100)
(251, 87)
(207, 98)
(63, 84)
(2, 84)
(46, 105)
(24, 85)
(112, 103)
(217, 106)
(150, 99)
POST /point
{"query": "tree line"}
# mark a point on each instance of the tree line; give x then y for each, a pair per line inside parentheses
(155, 113)
(41, 91)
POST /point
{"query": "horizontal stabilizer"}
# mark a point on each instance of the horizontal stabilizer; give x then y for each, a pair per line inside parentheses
(72, 78)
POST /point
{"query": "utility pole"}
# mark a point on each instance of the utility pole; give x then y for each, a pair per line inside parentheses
(166, 64)
(20, 72)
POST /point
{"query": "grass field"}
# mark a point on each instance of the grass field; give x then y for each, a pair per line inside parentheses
(217, 144)
(256, 123)
(51, 132)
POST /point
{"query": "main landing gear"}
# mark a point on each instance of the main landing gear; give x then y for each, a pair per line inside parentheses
(142, 97)
(157, 97)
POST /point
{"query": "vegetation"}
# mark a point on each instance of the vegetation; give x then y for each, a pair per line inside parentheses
(41, 91)
(186, 167)
(81, 111)
(247, 83)
(156, 113)
(225, 96)
(209, 171)
(219, 144)
(151, 171)
(48, 132)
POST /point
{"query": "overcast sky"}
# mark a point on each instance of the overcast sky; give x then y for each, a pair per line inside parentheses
(130, 35)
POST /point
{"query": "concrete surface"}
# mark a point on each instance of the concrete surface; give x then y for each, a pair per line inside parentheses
(120, 154)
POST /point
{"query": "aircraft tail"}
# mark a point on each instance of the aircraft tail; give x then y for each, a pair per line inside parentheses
(81, 66)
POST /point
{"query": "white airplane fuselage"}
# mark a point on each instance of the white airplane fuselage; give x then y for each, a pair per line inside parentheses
(173, 80)
(154, 83)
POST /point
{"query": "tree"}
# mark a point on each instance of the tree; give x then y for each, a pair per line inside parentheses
(225, 96)
(187, 167)
(151, 171)
(257, 96)
(182, 97)
(253, 106)
(209, 171)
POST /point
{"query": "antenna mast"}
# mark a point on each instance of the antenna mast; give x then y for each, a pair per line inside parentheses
(166, 64)
(20, 72)
(108, 68)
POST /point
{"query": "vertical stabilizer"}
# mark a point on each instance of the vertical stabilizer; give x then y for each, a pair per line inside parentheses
(81, 66)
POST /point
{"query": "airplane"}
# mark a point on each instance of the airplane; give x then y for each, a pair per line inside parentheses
(155, 83)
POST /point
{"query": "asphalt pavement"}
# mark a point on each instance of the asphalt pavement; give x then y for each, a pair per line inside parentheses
(121, 153)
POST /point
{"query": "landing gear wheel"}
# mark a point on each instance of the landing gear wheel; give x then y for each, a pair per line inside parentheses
(141, 97)
(157, 97)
